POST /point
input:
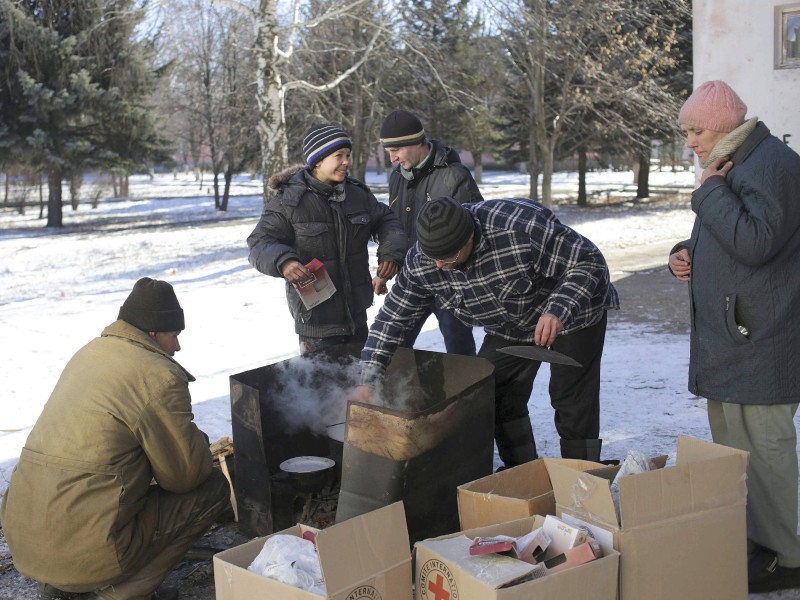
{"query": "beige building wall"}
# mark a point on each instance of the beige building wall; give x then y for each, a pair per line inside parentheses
(735, 40)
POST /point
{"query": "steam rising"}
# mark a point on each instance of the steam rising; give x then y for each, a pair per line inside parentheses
(312, 391)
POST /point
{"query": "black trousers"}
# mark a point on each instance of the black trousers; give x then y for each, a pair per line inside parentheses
(314, 344)
(574, 391)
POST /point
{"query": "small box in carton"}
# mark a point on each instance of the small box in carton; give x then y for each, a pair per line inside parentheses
(452, 573)
(515, 493)
(681, 529)
(364, 557)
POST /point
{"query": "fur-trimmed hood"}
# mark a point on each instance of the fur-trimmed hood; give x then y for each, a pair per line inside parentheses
(280, 179)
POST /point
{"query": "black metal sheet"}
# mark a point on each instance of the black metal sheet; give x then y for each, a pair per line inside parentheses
(542, 354)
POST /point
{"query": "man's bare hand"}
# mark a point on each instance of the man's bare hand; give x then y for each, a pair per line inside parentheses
(547, 329)
(680, 264)
(294, 271)
(387, 269)
(379, 286)
(360, 393)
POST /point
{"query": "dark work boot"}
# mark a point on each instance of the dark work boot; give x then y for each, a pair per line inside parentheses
(165, 592)
(581, 449)
(515, 443)
(48, 592)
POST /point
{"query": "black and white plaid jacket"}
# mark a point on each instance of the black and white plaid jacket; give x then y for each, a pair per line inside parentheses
(524, 263)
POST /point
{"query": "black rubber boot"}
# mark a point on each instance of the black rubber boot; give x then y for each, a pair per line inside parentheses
(515, 443)
(581, 449)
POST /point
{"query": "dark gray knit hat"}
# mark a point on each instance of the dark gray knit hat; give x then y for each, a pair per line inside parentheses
(153, 306)
(401, 128)
(443, 227)
(322, 140)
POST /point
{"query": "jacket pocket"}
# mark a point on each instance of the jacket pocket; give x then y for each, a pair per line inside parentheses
(313, 240)
(361, 230)
(517, 297)
(737, 331)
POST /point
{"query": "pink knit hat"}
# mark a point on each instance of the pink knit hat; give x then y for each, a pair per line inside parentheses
(714, 106)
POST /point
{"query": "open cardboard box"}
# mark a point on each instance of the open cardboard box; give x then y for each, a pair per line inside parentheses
(681, 530)
(364, 557)
(515, 493)
(450, 572)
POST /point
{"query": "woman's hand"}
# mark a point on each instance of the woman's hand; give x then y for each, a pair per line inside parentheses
(721, 166)
(680, 265)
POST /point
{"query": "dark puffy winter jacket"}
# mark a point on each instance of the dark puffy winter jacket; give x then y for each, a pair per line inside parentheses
(441, 175)
(307, 219)
(745, 250)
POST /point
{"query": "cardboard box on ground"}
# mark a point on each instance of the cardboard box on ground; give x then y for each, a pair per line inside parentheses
(445, 570)
(515, 493)
(364, 558)
(681, 529)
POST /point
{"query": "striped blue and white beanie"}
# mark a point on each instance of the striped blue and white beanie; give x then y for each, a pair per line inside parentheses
(322, 140)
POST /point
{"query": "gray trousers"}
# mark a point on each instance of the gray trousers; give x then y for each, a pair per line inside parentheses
(768, 433)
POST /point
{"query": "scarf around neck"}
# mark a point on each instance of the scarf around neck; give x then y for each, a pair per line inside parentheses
(334, 192)
(732, 141)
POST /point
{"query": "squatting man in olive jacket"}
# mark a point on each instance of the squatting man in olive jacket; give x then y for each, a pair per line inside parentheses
(115, 482)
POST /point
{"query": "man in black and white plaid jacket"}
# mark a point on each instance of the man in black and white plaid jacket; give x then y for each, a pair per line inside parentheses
(511, 267)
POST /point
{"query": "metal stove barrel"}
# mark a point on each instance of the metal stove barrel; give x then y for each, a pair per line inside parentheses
(420, 452)
(263, 439)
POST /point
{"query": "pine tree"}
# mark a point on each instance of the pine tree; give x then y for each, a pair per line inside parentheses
(74, 88)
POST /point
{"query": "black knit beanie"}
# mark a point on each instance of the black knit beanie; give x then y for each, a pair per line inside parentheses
(152, 306)
(401, 128)
(321, 140)
(443, 227)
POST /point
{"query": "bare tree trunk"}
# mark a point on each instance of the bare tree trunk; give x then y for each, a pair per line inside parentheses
(533, 164)
(125, 184)
(270, 94)
(547, 177)
(582, 198)
(226, 193)
(643, 181)
(477, 166)
(54, 208)
(75, 181)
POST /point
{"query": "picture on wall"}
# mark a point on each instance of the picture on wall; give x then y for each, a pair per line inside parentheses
(787, 36)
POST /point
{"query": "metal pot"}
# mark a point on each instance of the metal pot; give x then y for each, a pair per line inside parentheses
(309, 473)
(336, 445)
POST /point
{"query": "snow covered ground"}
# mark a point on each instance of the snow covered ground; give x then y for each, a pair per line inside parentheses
(60, 288)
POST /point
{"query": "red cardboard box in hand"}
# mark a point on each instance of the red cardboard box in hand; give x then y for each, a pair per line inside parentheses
(317, 288)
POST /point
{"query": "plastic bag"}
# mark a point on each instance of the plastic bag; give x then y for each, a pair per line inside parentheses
(634, 463)
(291, 560)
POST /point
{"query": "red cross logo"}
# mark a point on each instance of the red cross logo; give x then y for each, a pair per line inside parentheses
(437, 589)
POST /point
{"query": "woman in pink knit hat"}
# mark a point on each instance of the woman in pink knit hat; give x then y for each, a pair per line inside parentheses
(743, 273)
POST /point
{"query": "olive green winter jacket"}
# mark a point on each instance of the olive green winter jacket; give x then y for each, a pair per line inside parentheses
(77, 509)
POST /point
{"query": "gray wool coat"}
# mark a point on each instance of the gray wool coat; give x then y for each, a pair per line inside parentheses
(745, 278)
